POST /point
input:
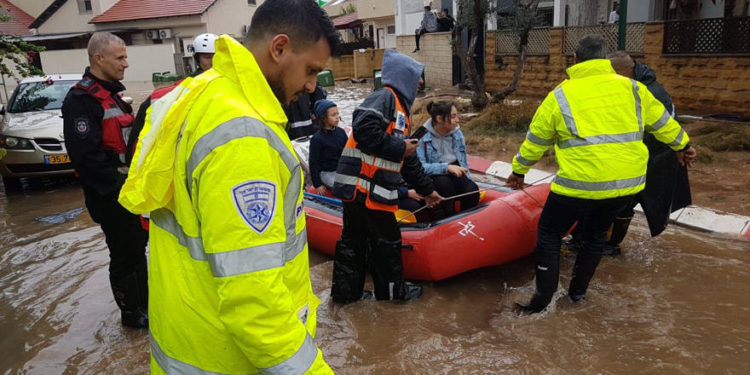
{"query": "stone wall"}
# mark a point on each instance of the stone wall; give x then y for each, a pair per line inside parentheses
(359, 65)
(699, 83)
(366, 62)
(709, 84)
(434, 52)
(342, 66)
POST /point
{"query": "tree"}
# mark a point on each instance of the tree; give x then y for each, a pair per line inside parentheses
(471, 17)
(13, 48)
(525, 18)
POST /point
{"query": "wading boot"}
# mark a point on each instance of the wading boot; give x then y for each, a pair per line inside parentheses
(131, 296)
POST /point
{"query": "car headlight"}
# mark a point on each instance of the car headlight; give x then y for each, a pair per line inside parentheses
(15, 143)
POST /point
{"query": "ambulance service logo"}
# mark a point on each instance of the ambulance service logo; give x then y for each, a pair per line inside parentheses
(400, 121)
(256, 202)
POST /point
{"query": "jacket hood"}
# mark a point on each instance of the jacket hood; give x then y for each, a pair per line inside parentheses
(643, 73)
(402, 73)
(434, 133)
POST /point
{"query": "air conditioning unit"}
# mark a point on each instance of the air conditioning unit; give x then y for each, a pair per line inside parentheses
(165, 33)
(152, 34)
(245, 29)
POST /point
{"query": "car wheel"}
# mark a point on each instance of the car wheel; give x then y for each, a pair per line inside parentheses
(12, 184)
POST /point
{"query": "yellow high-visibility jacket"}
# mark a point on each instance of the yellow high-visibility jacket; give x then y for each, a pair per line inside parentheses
(596, 121)
(229, 282)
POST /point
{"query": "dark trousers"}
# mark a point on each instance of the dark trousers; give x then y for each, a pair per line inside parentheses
(369, 238)
(448, 186)
(418, 35)
(126, 240)
(558, 215)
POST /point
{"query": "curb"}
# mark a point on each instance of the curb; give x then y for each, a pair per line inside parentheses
(694, 217)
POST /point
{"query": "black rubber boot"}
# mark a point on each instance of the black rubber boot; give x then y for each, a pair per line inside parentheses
(617, 233)
(131, 296)
(407, 291)
(348, 273)
(583, 271)
(547, 275)
(388, 273)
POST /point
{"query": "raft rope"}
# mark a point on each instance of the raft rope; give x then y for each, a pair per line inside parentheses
(444, 199)
(531, 196)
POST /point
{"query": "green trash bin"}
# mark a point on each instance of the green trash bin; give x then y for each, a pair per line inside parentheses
(325, 78)
(376, 81)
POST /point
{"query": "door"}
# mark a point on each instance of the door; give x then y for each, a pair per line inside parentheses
(381, 38)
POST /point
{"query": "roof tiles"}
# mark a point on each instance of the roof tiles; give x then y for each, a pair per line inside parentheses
(19, 20)
(130, 10)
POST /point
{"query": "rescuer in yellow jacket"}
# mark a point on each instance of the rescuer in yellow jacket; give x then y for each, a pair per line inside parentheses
(229, 278)
(596, 121)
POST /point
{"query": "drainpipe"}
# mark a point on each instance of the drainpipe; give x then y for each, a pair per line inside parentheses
(623, 23)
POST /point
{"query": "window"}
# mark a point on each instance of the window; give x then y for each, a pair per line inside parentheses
(84, 6)
(391, 29)
(250, 2)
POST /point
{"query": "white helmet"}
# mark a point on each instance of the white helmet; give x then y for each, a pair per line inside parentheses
(204, 43)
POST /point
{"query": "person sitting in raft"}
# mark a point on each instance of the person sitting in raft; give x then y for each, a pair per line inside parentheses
(326, 146)
(442, 151)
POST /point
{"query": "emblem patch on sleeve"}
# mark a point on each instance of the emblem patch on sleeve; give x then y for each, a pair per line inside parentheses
(256, 203)
(81, 127)
(400, 121)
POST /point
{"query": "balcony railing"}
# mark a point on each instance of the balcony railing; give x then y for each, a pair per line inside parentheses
(729, 35)
(633, 40)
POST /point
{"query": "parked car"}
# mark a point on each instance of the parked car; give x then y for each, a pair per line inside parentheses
(31, 130)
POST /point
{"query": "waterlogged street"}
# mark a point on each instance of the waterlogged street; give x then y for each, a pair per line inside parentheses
(676, 304)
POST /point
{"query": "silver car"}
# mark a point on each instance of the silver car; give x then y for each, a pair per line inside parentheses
(31, 132)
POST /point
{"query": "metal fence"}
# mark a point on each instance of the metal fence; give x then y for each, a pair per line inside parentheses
(707, 36)
(506, 42)
(633, 40)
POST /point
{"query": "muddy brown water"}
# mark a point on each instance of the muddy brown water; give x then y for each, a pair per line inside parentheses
(675, 304)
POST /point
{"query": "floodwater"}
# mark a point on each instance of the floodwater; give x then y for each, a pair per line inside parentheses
(676, 304)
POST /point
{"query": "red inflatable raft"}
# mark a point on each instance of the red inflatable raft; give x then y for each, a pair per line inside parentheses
(500, 229)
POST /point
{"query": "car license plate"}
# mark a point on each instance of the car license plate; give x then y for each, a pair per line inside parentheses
(56, 159)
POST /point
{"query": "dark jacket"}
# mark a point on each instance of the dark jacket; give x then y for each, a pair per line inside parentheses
(372, 117)
(667, 186)
(325, 151)
(445, 23)
(647, 76)
(298, 114)
(82, 118)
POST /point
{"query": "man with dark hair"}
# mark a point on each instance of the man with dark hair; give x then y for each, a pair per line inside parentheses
(429, 25)
(596, 121)
(96, 122)
(445, 21)
(230, 278)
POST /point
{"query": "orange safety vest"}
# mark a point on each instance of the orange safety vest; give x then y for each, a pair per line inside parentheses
(377, 178)
(117, 120)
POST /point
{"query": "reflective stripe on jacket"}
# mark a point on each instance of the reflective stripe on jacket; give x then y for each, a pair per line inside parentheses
(116, 123)
(376, 177)
(596, 121)
(229, 278)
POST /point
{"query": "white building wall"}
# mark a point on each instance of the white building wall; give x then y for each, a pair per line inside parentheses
(408, 16)
(67, 19)
(709, 9)
(229, 16)
(143, 60)
(640, 10)
(33, 7)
